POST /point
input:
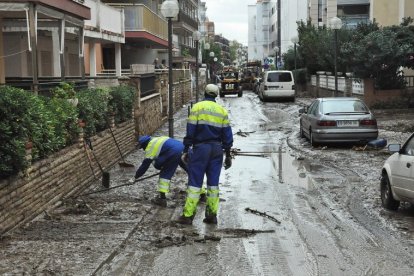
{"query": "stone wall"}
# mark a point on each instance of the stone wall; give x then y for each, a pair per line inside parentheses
(68, 172)
(63, 174)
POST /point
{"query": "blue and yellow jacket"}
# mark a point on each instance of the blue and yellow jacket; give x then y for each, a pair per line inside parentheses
(161, 150)
(208, 122)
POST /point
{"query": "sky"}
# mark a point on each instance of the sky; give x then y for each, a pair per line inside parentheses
(230, 18)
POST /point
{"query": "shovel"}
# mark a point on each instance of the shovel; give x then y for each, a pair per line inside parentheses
(105, 175)
(123, 163)
(122, 185)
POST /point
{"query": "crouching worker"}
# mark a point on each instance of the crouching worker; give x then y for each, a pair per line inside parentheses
(166, 154)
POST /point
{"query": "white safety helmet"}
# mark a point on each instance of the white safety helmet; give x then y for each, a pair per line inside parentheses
(212, 90)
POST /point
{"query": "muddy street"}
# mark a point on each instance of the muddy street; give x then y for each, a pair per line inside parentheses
(285, 209)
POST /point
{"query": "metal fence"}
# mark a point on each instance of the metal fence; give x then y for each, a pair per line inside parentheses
(46, 84)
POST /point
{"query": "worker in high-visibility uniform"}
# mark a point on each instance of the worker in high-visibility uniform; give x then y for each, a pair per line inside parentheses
(208, 136)
(166, 154)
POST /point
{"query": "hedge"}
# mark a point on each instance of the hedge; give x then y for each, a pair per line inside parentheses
(51, 124)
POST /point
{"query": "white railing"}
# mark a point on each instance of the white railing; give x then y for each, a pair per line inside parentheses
(357, 87)
(112, 72)
(328, 82)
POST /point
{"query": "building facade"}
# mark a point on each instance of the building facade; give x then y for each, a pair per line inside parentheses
(351, 12)
(41, 38)
(262, 31)
(391, 12)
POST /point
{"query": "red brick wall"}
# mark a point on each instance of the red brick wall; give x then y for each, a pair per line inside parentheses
(373, 96)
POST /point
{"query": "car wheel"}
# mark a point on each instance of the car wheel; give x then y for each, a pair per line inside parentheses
(221, 95)
(387, 199)
(312, 142)
(301, 133)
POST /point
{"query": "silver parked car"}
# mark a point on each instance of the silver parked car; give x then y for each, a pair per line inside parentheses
(397, 176)
(337, 119)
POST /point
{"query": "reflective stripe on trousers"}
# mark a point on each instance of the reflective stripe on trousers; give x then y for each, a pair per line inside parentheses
(212, 200)
(193, 196)
(163, 185)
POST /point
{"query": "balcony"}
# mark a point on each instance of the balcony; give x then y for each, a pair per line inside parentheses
(184, 19)
(143, 24)
(184, 53)
(353, 2)
(100, 28)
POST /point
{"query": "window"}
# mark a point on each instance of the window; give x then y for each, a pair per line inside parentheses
(313, 107)
(279, 77)
(344, 106)
(409, 147)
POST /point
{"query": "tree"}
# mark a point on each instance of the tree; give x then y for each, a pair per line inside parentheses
(380, 53)
(368, 50)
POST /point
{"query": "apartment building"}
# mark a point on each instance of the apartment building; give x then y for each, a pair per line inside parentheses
(224, 45)
(183, 28)
(262, 31)
(391, 12)
(291, 11)
(146, 33)
(41, 38)
(351, 12)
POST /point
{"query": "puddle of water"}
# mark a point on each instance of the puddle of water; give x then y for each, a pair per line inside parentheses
(292, 171)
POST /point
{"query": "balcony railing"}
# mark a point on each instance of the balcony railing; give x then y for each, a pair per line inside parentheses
(100, 12)
(187, 20)
(141, 18)
(187, 51)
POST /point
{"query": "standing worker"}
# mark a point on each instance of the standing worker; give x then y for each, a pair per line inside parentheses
(166, 154)
(208, 134)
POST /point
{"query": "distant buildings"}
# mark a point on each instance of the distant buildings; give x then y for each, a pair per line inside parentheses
(273, 23)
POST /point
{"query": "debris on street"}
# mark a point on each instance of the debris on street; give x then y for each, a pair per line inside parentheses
(263, 214)
(241, 233)
(244, 133)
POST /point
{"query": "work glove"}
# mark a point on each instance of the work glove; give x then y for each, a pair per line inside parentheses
(227, 161)
(184, 158)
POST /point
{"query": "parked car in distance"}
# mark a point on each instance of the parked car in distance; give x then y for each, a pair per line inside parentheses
(397, 175)
(276, 85)
(337, 119)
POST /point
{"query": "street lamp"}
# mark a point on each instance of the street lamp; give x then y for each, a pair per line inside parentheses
(295, 40)
(336, 24)
(170, 9)
(207, 47)
(196, 37)
(214, 70)
(276, 50)
(211, 54)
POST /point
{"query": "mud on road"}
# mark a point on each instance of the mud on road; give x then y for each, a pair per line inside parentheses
(326, 200)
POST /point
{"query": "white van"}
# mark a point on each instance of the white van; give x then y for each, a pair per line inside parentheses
(277, 84)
